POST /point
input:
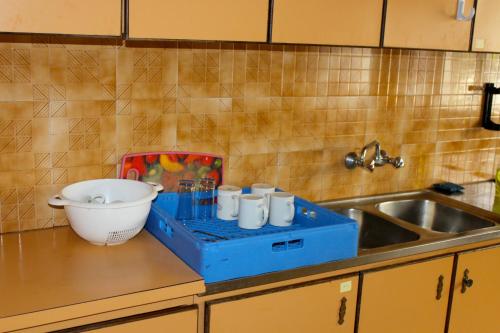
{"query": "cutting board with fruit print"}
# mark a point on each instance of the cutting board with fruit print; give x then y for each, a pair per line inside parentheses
(167, 168)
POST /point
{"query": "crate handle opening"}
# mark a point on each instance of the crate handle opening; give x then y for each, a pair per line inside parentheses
(279, 246)
(166, 228)
(296, 244)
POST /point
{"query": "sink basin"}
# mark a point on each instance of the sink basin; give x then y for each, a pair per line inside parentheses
(433, 216)
(376, 232)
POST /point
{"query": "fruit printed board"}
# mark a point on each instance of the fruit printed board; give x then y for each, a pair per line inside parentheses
(167, 168)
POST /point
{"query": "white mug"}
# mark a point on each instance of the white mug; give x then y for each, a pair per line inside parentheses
(253, 211)
(228, 202)
(282, 209)
(263, 189)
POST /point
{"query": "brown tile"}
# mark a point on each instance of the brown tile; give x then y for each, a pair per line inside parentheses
(280, 114)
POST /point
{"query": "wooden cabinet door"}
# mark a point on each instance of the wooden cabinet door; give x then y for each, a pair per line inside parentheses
(476, 309)
(238, 20)
(179, 322)
(76, 17)
(313, 308)
(426, 24)
(486, 37)
(404, 298)
(336, 22)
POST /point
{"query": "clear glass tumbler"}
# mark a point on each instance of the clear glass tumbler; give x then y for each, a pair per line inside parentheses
(185, 207)
(205, 198)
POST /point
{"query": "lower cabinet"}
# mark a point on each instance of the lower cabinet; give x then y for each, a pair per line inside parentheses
(409, 298)
(178, 322)
(476, 292)
(323, 307)
(412, 298)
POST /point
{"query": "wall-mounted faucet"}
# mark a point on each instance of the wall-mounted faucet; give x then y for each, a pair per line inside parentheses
(352, 160)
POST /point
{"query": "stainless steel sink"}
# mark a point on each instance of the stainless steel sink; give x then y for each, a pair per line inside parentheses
(405, 223)
(375, 232)
(431, 215)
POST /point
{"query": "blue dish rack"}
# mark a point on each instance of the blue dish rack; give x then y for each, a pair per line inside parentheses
(219, 250)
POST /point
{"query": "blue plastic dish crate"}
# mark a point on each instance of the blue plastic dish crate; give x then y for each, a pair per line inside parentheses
(219, 250)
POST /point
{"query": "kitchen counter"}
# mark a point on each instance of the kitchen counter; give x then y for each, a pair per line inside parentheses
(49, 274)
(481, 195)
(53, 275)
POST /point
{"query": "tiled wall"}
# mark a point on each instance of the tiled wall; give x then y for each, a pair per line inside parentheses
(283, 115)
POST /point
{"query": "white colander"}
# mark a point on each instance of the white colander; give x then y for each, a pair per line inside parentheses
(107, 211)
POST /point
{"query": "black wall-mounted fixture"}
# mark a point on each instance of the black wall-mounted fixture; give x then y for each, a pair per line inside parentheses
(489, 91)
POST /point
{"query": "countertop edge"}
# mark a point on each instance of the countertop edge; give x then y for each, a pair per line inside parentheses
(90, 308)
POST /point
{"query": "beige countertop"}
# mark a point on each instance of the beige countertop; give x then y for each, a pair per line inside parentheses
(48, 274)
(481, 195)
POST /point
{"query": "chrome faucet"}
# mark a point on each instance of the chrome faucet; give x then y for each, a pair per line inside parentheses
(381, 158)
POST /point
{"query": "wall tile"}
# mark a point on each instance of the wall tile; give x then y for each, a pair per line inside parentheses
(280, 114)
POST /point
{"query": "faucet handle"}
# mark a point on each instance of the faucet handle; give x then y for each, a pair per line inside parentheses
(352, 160)
(398, 162)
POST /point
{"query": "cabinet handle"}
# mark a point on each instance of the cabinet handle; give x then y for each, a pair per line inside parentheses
(466, 282)
(460, 12)
(342, 310)
(439, 290)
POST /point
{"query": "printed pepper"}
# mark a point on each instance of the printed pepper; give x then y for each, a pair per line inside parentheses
(169, 165)
(217, 163)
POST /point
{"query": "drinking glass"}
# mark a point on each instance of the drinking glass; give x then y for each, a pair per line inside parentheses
(185, 207)
(205, 198)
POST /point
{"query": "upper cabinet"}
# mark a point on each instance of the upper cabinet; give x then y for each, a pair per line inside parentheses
(233, 20)
(71, 17)
(427, 24)
(486, 36)
(335, 22)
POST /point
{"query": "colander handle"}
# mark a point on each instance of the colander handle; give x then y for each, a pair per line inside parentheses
(57, 201)
(157, 187)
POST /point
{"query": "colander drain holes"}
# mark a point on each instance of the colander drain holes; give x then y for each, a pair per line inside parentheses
(121, 235)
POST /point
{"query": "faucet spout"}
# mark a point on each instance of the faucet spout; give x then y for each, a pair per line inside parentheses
(372, 144)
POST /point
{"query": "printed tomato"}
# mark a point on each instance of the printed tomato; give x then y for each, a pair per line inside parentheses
(191, 158)
(151, 158)
(207, 160)
(127, 166)
(214, 175)
(173, 157)
(138, 164)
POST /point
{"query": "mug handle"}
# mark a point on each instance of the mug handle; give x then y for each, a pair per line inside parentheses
(236, 205)
(291, 211)
(264, 216)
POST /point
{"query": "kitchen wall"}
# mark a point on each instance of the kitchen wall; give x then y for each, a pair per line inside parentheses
(69, 109)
